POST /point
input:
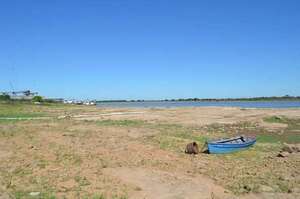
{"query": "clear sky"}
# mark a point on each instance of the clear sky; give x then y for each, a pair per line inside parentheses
(156, 49)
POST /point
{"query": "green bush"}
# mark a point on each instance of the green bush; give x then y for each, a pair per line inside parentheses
(4, 97)
(37, 99)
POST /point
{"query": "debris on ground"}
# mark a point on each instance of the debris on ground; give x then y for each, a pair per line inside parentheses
(192, 148)
(64, 117)
(287, 149)
(291, 148)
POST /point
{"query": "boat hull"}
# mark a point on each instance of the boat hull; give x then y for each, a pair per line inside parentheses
(215, 147)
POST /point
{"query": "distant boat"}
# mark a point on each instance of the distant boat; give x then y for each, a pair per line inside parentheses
(230, 145)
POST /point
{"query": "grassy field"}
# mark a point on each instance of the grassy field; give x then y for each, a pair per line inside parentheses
(71, 158)
(19, 110)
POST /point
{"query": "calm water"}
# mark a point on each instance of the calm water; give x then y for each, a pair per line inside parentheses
(169, 104)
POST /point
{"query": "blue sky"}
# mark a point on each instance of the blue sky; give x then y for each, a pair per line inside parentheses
(150, 49)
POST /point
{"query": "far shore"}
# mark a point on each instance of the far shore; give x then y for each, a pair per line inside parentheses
(245, 99)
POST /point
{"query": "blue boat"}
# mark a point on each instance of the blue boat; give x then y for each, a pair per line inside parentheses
(230, 145)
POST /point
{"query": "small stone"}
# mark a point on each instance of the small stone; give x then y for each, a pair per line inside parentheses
(296, 148)
(247, 188)
(34, 193)
(283, 154)
(287, 148)
(265, 188)
(33, 147)
(280, 178)
(64, 117)
(291, 148)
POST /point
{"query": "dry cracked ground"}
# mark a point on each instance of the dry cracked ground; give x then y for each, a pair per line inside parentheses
(58, 151)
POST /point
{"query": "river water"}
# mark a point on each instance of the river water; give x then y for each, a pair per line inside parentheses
(174, 104)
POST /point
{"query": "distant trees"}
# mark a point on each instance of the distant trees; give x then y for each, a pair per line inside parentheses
(274, 98)
(4, 97)
(7, 98)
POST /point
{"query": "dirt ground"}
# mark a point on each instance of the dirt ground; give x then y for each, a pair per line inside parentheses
(90, 152)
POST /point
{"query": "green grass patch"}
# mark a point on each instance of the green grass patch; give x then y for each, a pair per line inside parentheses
(98, 196)
(276, 119)
(276, 138)
(22, 172)
(245, 154)
(101, 196)
(82, 181)
(26, 195)
(268, 138)
(20, 115)
(168, 142)
(293, 124)
(67, 157)
(292, 138)
(175, 137)
(291, 134)
(175, 143)
(190, 136)
(19, 111)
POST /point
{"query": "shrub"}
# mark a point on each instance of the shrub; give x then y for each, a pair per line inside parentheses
(37, 99)
(4, 97)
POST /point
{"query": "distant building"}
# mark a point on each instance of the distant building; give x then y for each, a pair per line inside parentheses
(80, 102)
